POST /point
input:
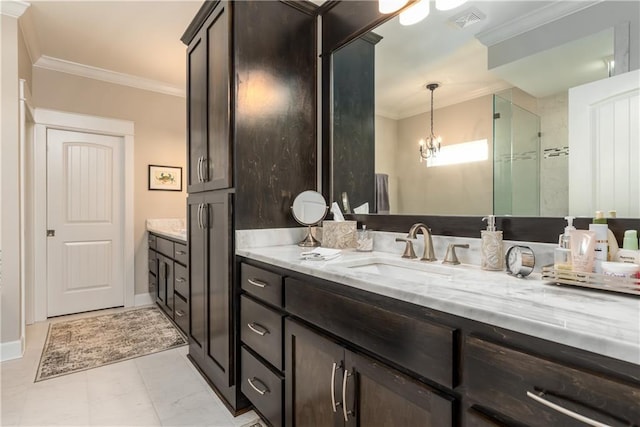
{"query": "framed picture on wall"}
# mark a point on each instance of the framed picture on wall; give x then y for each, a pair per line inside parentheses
(165, 178)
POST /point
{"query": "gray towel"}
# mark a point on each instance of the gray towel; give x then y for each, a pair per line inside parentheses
(382, 193)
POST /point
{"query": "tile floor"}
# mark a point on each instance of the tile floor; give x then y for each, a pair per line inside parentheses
(161, 389)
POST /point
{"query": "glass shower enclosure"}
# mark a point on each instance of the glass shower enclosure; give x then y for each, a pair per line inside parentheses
(516, 159)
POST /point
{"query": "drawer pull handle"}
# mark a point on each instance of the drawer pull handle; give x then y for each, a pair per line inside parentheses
(179, 313)
(181, 253)
(264, 390)
(538, 398)
(180, 280)
(256, 282)
(345, 412)
(258, 328)
(334, 404)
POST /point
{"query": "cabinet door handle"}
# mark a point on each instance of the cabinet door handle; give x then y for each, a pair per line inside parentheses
(256, 282)
(345, 412)
(205, 169)
(200, 221)
(258, 328)
(334, 404)
(180, 280)
(179, 313)
(181, 253)
(538, 398)
(252, 382)
(198, 169)
(205, 216)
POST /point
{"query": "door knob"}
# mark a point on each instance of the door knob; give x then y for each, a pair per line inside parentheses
(51, 233)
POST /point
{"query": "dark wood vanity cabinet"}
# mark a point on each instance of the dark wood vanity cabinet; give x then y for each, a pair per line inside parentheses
(168, 282)
(504, 383)
(328, 385)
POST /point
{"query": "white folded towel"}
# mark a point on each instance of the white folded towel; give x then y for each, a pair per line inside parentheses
(321, 254)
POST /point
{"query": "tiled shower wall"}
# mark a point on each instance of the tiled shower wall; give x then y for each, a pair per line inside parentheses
(554, 162)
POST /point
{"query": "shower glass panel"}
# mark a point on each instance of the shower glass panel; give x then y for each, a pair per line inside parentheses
(516, 151)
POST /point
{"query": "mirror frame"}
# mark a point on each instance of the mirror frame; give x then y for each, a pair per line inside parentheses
(342, 22)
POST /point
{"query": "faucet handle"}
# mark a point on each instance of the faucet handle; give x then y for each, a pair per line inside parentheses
(408, 250)
(451, 257)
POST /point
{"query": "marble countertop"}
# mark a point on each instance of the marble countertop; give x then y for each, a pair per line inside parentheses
(603, 323)
(174, 228)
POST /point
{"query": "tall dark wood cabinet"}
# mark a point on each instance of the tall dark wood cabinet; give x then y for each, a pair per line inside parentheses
(251, 110)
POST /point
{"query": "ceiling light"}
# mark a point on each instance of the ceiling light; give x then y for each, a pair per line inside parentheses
(416, 13)
(448, 4)
(390, 6)
(430, 145)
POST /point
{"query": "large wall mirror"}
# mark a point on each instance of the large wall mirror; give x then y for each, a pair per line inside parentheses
(501, 106)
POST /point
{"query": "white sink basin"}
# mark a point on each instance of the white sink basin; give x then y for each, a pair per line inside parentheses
(410, 270)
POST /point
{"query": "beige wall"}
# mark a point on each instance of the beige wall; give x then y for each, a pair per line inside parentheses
(465, 189)
(160, 135)
(9, 177)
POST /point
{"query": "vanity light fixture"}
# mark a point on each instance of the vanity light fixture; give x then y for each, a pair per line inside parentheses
(390, 6)
(416, 13)
(448, 4)
(430, 145)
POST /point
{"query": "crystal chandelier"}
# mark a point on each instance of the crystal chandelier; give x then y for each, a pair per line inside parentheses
(430, 145)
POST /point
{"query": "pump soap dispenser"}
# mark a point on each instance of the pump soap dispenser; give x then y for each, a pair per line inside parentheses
(562, 254)
(492, 253)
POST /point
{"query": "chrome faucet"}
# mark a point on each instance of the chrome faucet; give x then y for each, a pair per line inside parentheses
(428, 254)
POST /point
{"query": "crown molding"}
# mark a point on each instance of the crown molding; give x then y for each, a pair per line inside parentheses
(13, 8)
(109, 76)
(29, 35)
(532, 20)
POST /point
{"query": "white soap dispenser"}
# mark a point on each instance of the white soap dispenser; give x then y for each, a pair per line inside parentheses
(492, 252)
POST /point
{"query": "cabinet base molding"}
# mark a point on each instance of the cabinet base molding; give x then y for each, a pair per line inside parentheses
(144, 299)
(242, 404)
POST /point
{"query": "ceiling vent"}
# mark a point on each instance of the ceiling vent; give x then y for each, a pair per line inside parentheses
(468, 17)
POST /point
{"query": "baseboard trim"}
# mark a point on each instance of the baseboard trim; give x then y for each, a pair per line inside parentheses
(11, 350)
(143, 299)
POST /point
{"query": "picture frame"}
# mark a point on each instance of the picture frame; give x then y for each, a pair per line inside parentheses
(165, 178)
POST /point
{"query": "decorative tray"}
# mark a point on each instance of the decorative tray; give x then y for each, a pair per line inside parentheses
(602, 282)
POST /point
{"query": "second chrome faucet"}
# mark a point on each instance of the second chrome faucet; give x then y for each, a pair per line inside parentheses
(428, 254)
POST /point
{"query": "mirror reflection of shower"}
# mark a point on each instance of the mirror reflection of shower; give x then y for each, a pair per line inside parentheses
(516, 171)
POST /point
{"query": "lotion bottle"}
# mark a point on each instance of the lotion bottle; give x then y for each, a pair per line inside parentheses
(492, 253)
(562, 254)
(599, 226)
(629, 252)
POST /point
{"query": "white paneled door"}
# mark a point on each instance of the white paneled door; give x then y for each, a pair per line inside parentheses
(85, 253)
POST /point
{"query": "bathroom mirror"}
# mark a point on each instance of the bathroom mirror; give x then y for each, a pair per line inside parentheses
(509, 99)
(309, 208)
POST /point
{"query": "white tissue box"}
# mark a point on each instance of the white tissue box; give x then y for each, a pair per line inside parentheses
(339, 234)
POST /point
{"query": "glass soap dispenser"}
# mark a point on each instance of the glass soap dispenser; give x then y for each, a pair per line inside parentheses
(491, 246)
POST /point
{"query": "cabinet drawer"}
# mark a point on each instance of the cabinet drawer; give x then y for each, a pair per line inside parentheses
(261, 329)
(262, 387)
(525, 387)
(180, 253)
(164, 246)
(153, 263)
(427, 348)
(181, 312)
(151, 239)
(262, 284)
(181, 280)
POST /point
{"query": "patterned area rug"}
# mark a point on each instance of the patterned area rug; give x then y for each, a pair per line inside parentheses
(77, 345)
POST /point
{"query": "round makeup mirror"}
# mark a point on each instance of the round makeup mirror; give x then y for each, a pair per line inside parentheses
(309, 208)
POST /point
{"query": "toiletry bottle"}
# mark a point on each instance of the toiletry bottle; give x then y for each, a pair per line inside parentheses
(562, 254)
(492, 253)
(599, 226)
(629, 251)
(365, 240)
